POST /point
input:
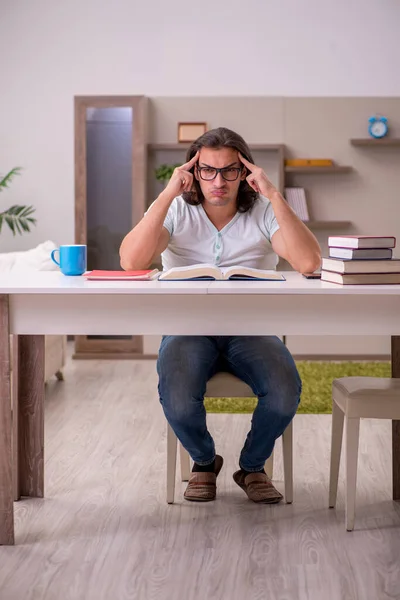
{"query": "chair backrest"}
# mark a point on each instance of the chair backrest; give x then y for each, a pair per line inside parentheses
(226, 385)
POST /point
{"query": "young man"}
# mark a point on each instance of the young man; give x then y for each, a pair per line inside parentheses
(220, 208)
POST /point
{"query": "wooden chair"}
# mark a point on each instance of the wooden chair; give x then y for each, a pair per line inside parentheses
(354, 398)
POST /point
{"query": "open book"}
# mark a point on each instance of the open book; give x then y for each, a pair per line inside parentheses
(204, 271)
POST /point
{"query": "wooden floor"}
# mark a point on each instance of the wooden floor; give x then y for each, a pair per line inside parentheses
(104, 530)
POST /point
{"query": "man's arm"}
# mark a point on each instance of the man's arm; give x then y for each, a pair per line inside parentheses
(293, 241)
(149, 238)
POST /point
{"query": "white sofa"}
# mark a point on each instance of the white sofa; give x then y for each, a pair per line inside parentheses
(38, 259)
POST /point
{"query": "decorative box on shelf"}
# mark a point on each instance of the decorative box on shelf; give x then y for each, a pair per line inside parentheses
(308, 162)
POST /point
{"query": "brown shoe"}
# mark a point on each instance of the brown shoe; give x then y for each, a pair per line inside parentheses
(258, 487)
(202, 486)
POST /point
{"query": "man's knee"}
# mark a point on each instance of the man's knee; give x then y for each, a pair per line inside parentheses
(171, 350)
(181, 398)
(184, 353)
(181, 385)
(288, 400)
(284, 394)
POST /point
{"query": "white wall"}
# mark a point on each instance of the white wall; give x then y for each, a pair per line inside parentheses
(52, 50)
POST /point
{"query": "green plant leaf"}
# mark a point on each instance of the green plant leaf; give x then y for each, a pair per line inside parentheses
(6, 180)
(10, 223)
(164, 172)
(18, 218)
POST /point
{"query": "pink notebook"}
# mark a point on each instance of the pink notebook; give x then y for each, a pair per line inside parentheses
(145, 275)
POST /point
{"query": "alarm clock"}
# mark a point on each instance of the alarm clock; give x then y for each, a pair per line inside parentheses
(378, 126)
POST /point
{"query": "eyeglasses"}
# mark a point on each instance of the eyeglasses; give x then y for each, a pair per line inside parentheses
(228, 173)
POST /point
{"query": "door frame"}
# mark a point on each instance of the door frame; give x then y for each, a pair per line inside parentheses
(84, 347)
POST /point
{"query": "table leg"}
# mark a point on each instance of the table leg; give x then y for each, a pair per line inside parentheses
(31, 415)
(6, 490)
(14, 412)
(396, 424)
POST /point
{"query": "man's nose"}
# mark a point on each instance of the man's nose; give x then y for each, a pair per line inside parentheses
(219, 181)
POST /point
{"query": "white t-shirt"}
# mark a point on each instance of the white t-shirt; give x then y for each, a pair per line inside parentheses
(245, 240)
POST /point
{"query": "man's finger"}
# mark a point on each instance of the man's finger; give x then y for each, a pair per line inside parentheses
(246, 163)
(191, 162)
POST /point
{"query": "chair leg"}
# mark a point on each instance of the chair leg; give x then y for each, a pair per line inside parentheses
(269, 466)
(287, 448)
(352, 437)
(172, 445)
(336, 448)
(185, 463)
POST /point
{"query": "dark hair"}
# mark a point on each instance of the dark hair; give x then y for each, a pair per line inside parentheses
(222, 138)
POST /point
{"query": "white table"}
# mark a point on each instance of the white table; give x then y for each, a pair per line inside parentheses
(49, 303)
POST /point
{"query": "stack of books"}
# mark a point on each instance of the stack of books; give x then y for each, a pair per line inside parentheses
(361, 259)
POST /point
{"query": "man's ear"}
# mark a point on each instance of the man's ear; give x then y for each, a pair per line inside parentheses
(196, 172)
(243, 174)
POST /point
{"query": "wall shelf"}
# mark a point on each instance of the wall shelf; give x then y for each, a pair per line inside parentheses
(375, 142)
(327, 224)
(319, 170)
(184, 146)
(168, 146)
(272, 147)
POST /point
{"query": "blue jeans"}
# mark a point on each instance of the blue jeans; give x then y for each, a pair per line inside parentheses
(186, 363)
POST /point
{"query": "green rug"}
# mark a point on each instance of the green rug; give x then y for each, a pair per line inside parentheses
(317, 380)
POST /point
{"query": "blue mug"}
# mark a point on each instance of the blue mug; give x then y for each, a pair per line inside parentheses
(73, 259)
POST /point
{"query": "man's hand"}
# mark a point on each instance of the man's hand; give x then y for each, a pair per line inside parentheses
(258, 179)
(181, 180)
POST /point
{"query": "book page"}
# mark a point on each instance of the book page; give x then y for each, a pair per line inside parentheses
(192, 272)
(241, 272)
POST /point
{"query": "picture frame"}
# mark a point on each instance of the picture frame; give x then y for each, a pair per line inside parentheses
(189, 132)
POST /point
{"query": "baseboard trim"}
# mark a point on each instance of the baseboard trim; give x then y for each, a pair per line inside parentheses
(113, 356)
